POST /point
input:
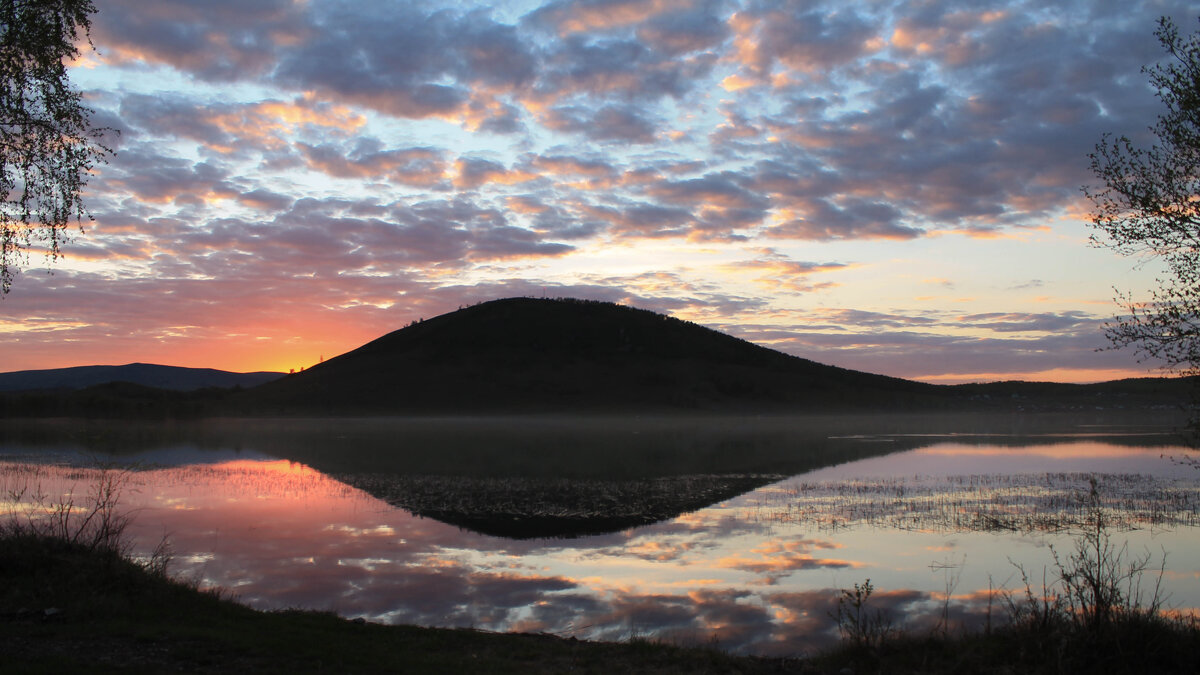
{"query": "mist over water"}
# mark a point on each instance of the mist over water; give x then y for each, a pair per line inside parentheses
(271, 514)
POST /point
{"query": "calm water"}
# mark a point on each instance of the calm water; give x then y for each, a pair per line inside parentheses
(934, 521)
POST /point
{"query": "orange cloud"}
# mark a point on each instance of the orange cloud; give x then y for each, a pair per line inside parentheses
(580, 18)
(572, 166)
(953, 39)
(266, 123)
(526, 205)
(738, 82)
(779, 272)
(596, 175)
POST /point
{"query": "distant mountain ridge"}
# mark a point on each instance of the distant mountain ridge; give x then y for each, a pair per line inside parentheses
(172, 378)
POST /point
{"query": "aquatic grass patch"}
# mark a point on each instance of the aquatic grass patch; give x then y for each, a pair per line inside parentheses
(1029, 502)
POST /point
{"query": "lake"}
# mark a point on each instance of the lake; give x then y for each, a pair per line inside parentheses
(737, 532)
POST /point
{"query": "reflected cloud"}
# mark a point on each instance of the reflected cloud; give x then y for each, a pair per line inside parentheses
(775, 559)
(658, 550)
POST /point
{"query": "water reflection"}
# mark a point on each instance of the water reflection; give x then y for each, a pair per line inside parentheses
(744, 572)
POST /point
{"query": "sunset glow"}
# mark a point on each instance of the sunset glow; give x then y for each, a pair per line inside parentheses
(891, 188)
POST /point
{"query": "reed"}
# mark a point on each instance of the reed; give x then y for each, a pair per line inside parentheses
(1042, 502)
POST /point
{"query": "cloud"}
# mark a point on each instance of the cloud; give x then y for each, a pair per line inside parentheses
(488, 113)
(475, 172)
(642, 219)
(196, 37)
(720, 191)
(393, 62)
(404, 63)
(812, 40)
(779, 271)
(684, 30)
(1029, 285)
(172, 116)
(554, 221)
(591, 16)
(595, 71)
(152, 177)
(562, 165)
(265, 200)
(824, 221)
(420, 167)
(1008, 322)
(611, 123)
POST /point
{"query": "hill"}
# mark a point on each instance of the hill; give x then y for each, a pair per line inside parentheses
(144, 374)
(538, 355)
(1177, 394)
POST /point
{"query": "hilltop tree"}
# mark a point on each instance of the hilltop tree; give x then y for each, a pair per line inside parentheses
(47, 144)
(1150, 206)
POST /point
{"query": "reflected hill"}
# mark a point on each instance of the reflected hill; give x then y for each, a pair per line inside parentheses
(562, 476)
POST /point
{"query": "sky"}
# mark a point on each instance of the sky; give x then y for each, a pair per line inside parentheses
(888, 186)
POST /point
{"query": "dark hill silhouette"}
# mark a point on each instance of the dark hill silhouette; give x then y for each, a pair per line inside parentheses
(539, 355)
